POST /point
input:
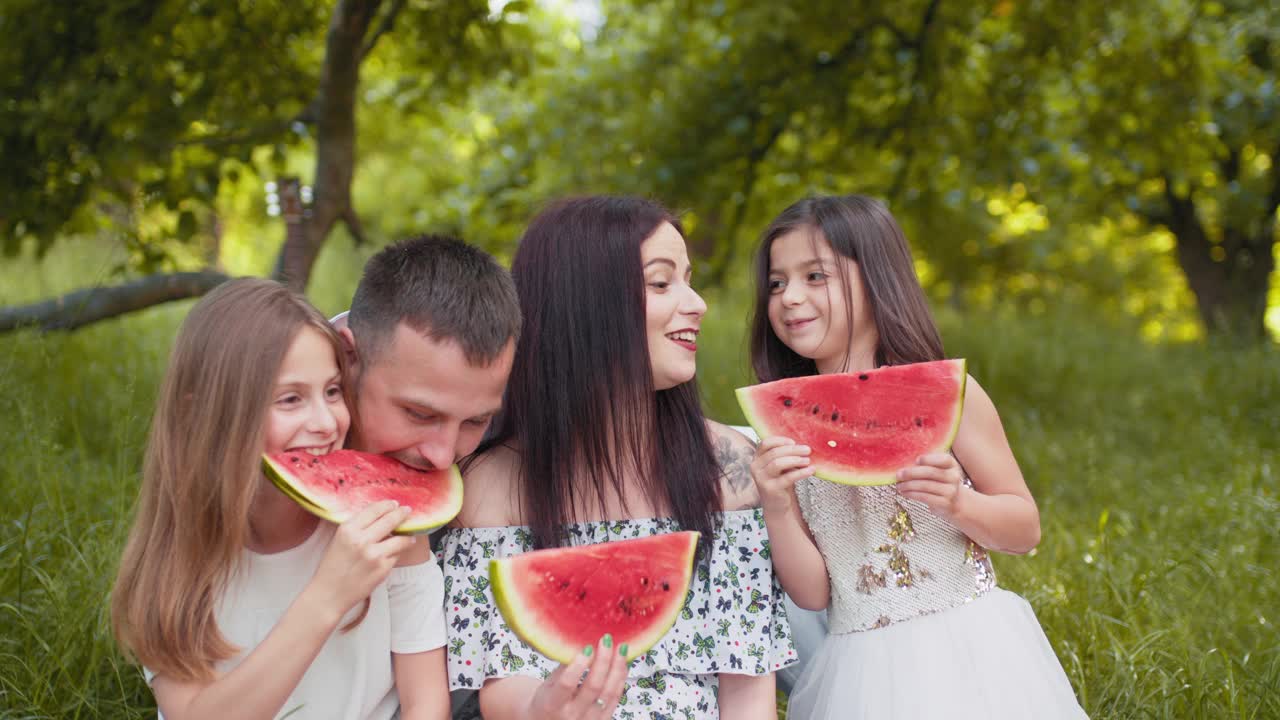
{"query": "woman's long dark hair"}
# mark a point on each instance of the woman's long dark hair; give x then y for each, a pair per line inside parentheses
(580, 408)
(861, 228)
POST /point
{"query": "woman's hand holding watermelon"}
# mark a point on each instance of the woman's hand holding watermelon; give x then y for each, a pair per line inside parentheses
(360, 555)
(778, 465)
(935, 480)
(562, 697)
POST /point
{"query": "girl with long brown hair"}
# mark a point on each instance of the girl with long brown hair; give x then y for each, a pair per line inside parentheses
(917, 626)
(237, 602)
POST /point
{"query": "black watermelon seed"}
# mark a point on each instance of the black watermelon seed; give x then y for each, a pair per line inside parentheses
(815, 409)
(665, 586)
(863, 376)
(582, 594)
(835, 415)
(644, 581)
(919, 422)
(786, 401)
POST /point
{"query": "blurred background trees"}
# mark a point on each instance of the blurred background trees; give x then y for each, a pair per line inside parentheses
(1113, 154)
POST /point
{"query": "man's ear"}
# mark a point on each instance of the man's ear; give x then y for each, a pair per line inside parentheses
(349, 347)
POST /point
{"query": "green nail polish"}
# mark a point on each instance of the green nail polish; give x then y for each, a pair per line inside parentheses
(587, 651)
(623, 650)
(608, 640)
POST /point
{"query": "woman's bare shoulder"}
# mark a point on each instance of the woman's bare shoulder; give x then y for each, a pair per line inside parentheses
(734, 452)
(490, 494)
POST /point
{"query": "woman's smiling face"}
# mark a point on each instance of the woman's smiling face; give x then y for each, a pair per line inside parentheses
(673, 310)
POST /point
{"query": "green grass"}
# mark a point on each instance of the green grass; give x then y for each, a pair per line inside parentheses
(1155, 468)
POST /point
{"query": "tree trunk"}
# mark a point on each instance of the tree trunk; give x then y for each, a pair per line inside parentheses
(335, 140)
(1230, 279)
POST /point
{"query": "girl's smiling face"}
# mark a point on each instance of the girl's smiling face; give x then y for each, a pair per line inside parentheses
(307, 411)
(807, 302)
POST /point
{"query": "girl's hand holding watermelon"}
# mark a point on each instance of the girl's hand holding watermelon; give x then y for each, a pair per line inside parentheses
(778, 465)
(934, 480)
(360, 556)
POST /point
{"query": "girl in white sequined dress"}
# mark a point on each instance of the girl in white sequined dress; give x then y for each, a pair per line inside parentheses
(918, 628)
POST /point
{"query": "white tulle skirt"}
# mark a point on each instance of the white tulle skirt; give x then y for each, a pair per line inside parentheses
(986, 660)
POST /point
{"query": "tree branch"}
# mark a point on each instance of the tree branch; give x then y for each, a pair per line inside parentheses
(256, 136)
(1230, 165)
(919, 45)
(83, 307)
(758, 152)
(354, 226)
(1273, 197)
(384, 27)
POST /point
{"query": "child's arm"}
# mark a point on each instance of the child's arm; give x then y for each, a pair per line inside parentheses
(415, 591)
(778, 465)
(998, 512)
(749, 697)
(423, 685)
(360, 556)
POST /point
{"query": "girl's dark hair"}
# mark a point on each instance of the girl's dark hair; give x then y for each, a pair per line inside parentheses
(580, 408)
(861, 228)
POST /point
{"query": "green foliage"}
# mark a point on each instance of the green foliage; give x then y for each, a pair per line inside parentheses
(1020, 144)
(1026, 147)
(130, 116)
(1154, 466)
(139, 103)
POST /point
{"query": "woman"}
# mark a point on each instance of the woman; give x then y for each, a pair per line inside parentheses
(602, 438)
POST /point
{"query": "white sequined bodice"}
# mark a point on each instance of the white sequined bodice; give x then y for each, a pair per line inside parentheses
(889, 558)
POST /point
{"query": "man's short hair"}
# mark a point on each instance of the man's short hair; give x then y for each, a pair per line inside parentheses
(441, 287)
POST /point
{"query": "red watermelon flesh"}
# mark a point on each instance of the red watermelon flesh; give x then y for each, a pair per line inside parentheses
(561, 600)
(862, 427)
(340, 484)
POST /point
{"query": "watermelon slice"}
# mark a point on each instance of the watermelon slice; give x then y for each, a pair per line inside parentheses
(338, 485)
(561, 600)
(862, 427)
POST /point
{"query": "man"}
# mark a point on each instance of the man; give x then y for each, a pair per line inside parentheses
(430, 338)
(431, 335)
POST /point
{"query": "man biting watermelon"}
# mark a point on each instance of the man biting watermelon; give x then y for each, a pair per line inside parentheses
(430, 337)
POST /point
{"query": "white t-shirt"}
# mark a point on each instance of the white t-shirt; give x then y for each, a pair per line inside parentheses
(351, 677)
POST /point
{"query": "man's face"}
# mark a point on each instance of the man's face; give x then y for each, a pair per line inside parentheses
(422, 403)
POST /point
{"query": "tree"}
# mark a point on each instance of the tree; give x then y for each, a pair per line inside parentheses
(118, 109)
(1080, 110)
(1180, 125)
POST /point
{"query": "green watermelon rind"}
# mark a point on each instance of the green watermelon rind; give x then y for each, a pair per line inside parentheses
(863, 479)
(520, 619)
(416, 524)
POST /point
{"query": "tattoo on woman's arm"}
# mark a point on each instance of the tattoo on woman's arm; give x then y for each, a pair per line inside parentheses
(735, 463)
